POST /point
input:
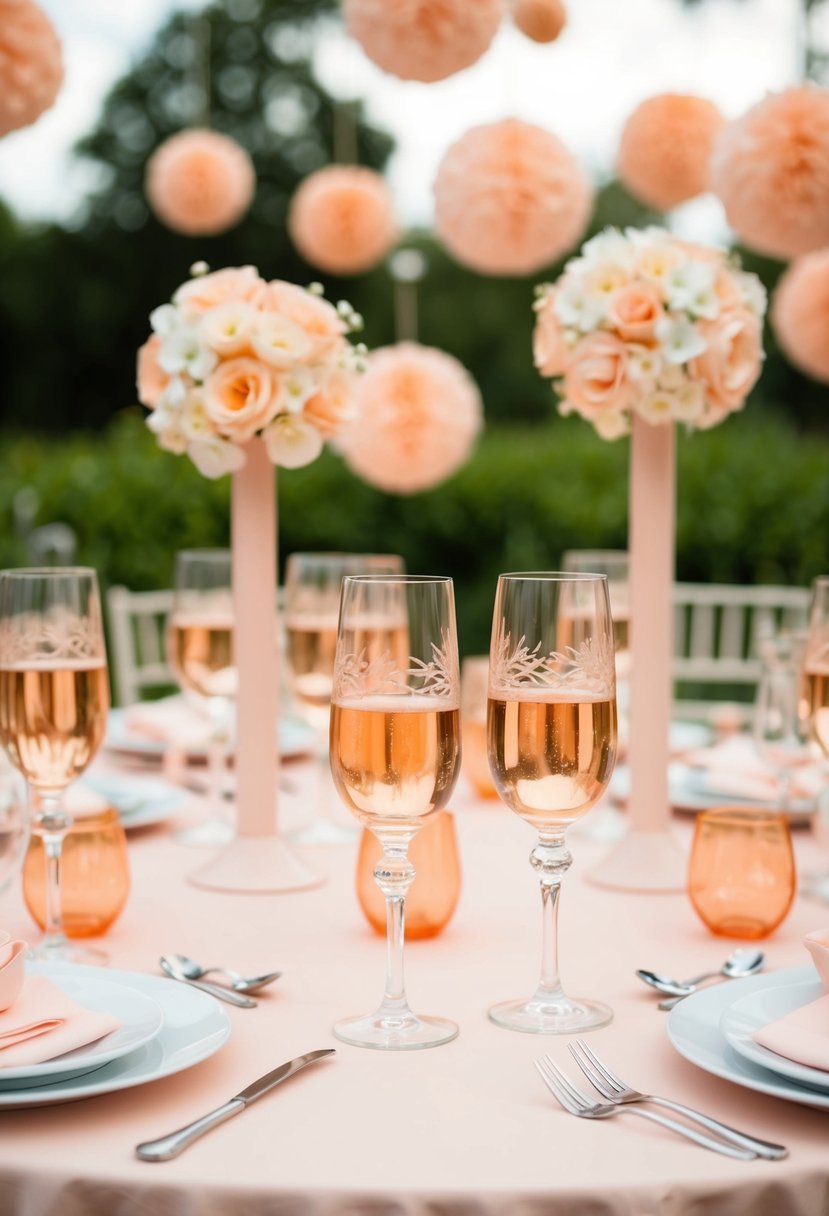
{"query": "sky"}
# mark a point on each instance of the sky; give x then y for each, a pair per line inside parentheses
(612, 54)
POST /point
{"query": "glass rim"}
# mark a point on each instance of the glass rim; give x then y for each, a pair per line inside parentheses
(205, 554)
(414, 579)
(49, 571)
(598, 553)
(553, 576)
(742, 816)
(340, 554)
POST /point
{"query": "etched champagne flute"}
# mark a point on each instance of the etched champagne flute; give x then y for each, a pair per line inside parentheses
(551, 738)
(313, 582)
(200, 652)
(54, 698)
(395, 757)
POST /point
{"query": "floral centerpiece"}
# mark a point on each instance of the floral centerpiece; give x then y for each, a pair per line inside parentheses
(643, 323)
(233, 356)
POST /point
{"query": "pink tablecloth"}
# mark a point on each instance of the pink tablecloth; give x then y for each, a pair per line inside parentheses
(461, 1129)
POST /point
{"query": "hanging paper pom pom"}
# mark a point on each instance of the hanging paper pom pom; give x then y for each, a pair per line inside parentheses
(510, 198)
(342, 219)
(541, 20)
(31, 68)
(419, 411)
(423, 39)
(665, 152)
(771, 170)
(200, 182)
(800, 314)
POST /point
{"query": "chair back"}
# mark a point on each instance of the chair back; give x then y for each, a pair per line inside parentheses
(137, 625)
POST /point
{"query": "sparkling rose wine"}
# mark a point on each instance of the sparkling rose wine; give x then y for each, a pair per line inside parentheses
(551, 758)
(394, 759)
(311, 643)
(200, 650)
(53, 718)
(817, 686)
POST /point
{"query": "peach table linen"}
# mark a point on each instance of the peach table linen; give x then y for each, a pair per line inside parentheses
(461, 1130)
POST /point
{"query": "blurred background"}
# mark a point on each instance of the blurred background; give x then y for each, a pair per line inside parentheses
(83, 261)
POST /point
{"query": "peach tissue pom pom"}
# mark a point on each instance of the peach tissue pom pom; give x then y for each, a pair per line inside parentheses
(510, 198)
(771, 170)
(665, 151)
(199, 182)
(540, 20)
(341, 219)
(424, 40)
(800, 314)
(31, 66)
(419, 412)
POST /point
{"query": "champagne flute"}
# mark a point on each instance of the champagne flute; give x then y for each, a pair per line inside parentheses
(551, 737)
(816, 710)
(778, 727)
(395, 757)
(312, 602)
(54, 698)
(200, 652)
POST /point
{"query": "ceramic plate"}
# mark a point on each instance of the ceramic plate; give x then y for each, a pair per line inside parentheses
(694, 1030)
(140, 1016)
(139, 800)
(296, 738)
(757, 1009)
(690, 793)
(195, 1026)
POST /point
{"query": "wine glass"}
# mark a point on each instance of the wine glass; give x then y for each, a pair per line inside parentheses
(551, 736)
(395, 756)
(54, 698)
(312, 603)
(778, 727)
(816, 712)
(200, 652)
(615, 565)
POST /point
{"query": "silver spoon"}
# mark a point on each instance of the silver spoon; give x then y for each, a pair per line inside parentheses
(742, 962)
(215, 990)
(239, 983)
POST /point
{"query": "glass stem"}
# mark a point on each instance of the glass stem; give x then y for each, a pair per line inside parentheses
(217, 756)
(394, 874)
(51, 822)
(551, 861)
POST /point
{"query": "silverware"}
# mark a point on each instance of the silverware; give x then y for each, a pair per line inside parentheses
(221, 994)
(239, 983)
(577, 1103)
(167, 1147)
(738, 965)
(614, 1090)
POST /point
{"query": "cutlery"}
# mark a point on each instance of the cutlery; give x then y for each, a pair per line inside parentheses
(740, 963)
(167, 1147)
(221, 994)
(614, 1090)
(239, 983)
(577, 1103)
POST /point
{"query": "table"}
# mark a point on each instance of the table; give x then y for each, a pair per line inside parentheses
(466, 1129)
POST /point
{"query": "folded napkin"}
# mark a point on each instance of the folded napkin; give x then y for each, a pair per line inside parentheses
(803, 1034)
(171, 720)
(44, 1023)
(12, 970)
(734, 768)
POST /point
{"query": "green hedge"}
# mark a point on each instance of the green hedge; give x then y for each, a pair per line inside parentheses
(753, 506)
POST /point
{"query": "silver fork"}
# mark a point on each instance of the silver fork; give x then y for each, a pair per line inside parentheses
(577, 1103)
(614, 1090)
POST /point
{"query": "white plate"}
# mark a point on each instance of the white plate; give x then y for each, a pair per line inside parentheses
(139, 800)
(739, 1022)
(694, 1030)
(688, 792)
(195, 1026)
(296, 738)
(140, 1016)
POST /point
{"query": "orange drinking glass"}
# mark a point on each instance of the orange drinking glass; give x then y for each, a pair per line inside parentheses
(94, 874)
(741, 877)
(474, 757)
(435, 891)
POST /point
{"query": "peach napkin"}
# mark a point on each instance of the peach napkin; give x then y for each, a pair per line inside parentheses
(44, 1023)
(12, 969)
(734, 768)
(803, 1034)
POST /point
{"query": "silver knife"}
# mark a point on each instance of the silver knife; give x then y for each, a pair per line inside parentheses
(167, 1147)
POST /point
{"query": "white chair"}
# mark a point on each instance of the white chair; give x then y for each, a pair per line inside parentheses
(719, 636)
(137, 623)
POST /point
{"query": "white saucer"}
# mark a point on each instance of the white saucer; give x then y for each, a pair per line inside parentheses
(140, 1016)
(195, 1026)
(757, 1009)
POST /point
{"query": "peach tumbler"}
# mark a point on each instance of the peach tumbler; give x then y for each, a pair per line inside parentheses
(435, 891)
(741, 876)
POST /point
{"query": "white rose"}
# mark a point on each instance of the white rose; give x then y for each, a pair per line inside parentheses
(214, 456)
(292, 442)
(280, 342)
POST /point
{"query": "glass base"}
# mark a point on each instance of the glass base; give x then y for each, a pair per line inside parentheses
(815, 886)
(64, 951)
(325, 831)
(551, 1015)
(208, 835)
(405, 1033)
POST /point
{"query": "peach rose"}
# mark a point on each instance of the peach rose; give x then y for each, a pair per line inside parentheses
(549, 347)
(241, 396)
(730, 367)
(316, 316)
(634, 310)
(200, 294)
(333, 406)
(596, 379)
(152, 379)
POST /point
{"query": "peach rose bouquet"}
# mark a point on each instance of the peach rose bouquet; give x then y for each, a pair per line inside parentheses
(233, 356)
(642, 322)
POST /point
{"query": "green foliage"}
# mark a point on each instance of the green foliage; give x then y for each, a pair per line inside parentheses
(753, 506)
